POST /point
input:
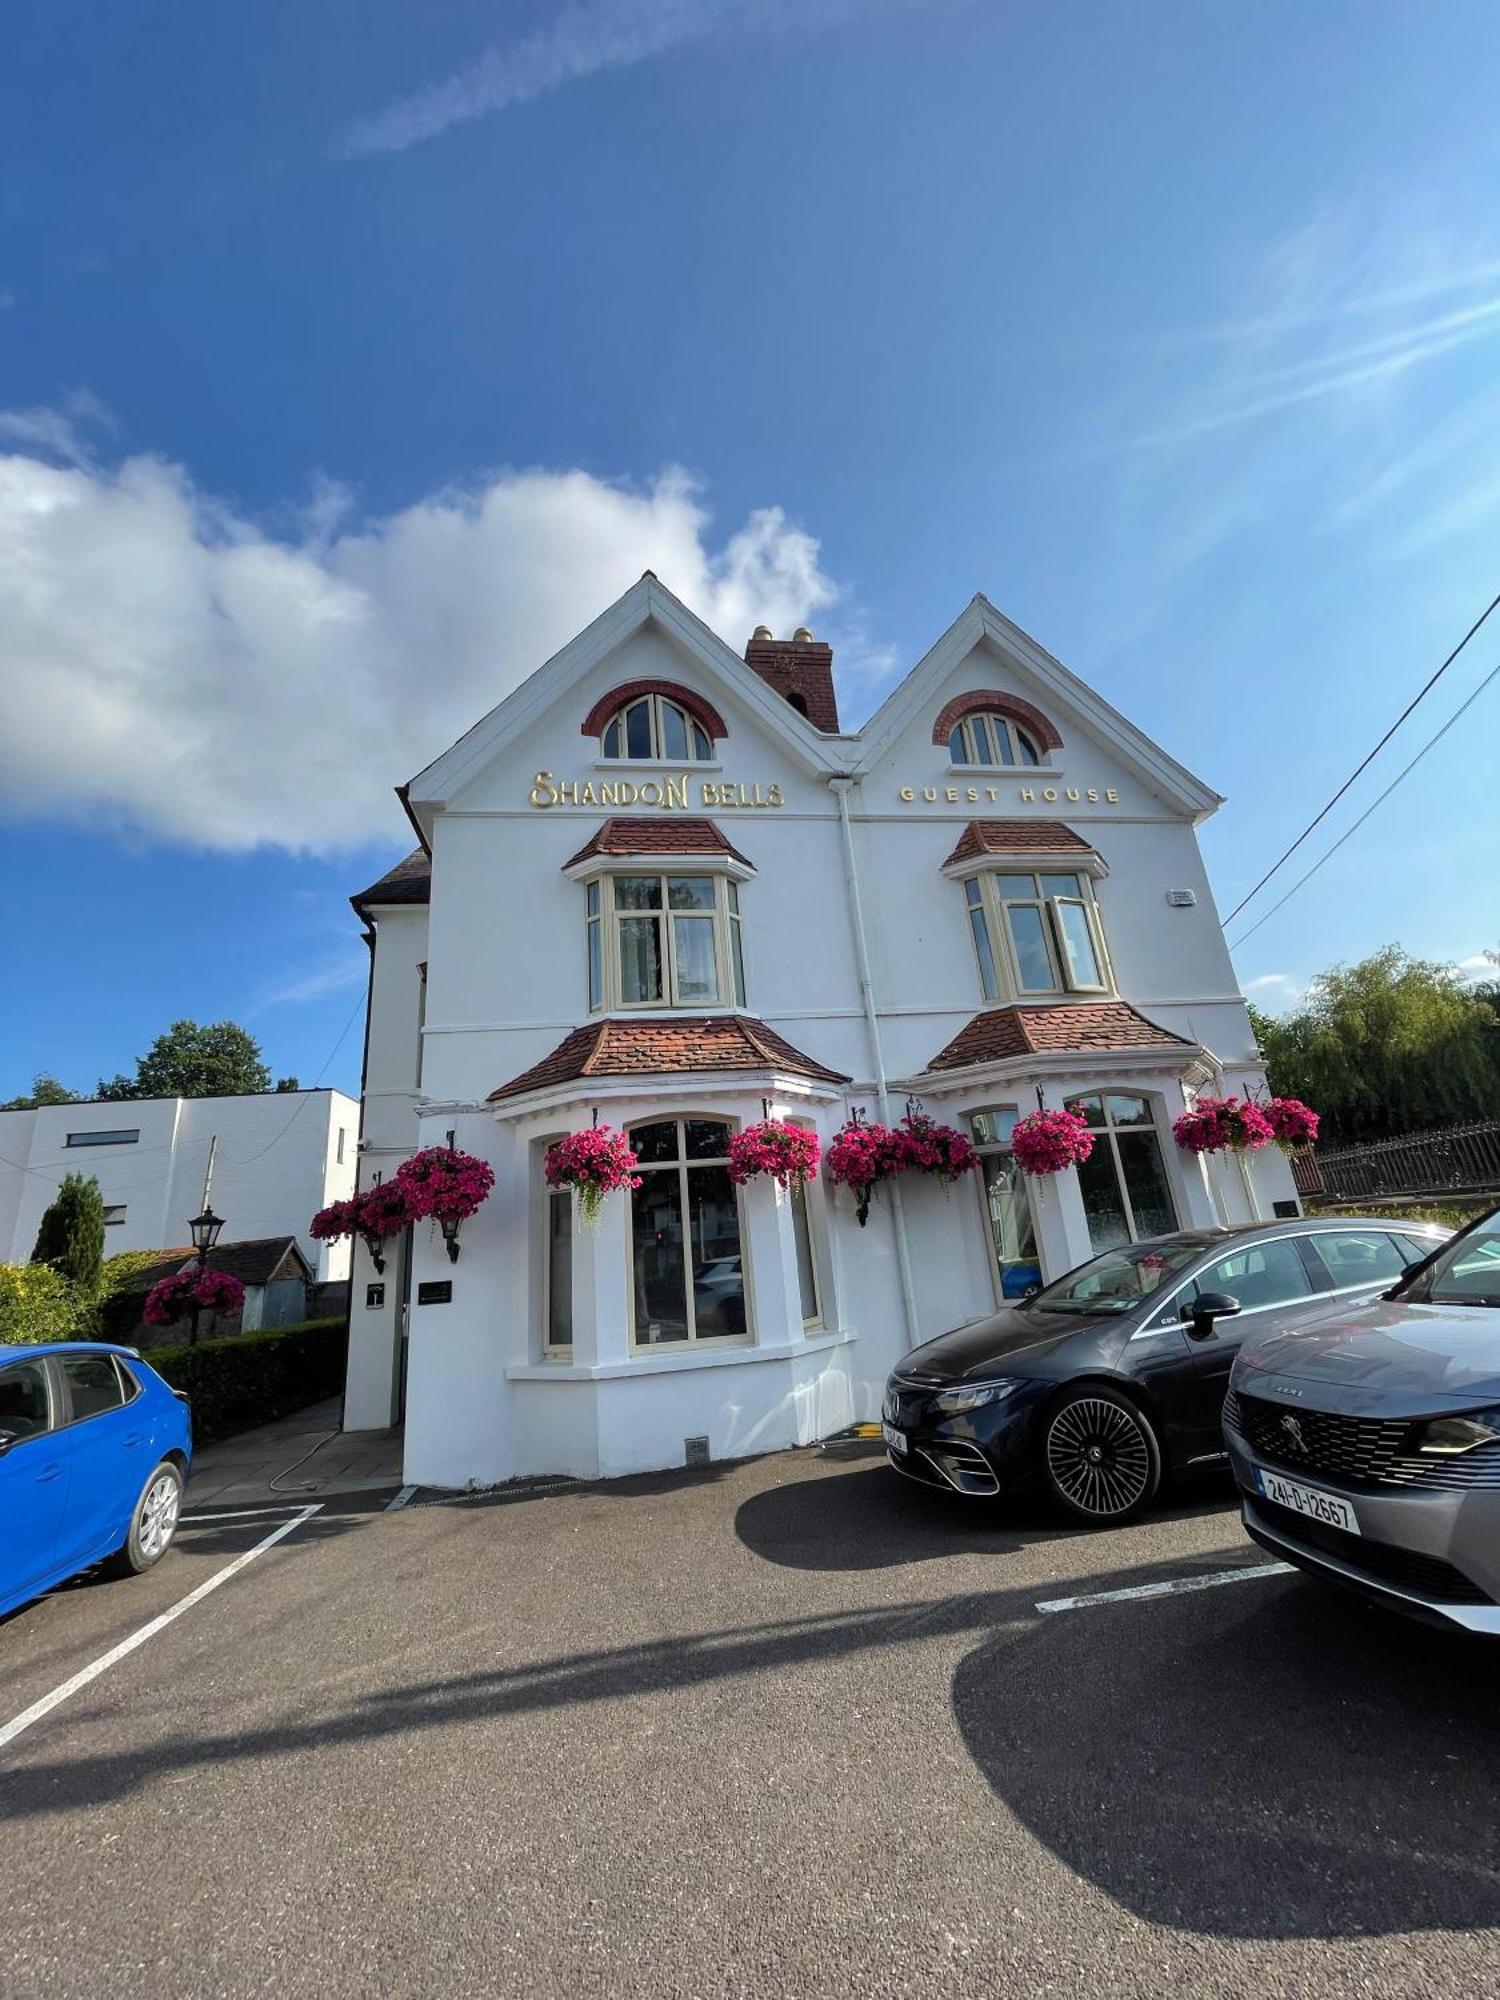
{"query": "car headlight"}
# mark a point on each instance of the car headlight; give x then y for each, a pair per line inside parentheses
(1445, 1437)
(953, 1402)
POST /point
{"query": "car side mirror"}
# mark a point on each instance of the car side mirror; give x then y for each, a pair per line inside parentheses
(1202, 1311)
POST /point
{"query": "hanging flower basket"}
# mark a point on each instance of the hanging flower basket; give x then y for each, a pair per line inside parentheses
(340, 1218)
(174, 1298)
(859, 1157)
(919, 1145)
(385, 1210)
(446, 1185)
(593, 1163)
(1293, 1123)
(1223, 1124)
(1048, 1142)
(785, 1153)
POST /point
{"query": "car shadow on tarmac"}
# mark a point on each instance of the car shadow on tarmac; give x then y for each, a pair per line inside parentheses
(1274, 1759)
(872, 1518)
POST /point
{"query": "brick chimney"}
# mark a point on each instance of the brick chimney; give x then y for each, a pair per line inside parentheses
(800, 670)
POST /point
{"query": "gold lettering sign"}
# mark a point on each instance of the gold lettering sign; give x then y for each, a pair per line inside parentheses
(999, 795)
(671, 792)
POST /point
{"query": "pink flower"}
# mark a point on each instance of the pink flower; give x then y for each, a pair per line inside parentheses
(593, 1162)
(921, 1145)
(1223, 1124)
(445, 1184)
(1048, 1142)
(785, 1152)
(173, 1298)
(1293, 1123)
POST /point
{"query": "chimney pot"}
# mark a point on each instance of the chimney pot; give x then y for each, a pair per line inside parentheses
(802, 636)
(761, 632)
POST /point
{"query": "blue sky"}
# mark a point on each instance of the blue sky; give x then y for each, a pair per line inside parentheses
(354, 356)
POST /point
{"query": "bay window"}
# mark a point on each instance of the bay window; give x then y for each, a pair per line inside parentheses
(1126, 1193)
(664, 941)
(687, 1269)
(1036, 934)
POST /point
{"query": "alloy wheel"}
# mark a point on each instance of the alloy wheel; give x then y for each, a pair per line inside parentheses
(159, 1515)
(1098, 1456)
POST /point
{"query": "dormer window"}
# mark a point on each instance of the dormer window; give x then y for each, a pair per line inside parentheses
(986, 740)
(653, 729)
(1036, 934)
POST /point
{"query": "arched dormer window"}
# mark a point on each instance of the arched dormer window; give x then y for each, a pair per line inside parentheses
(989, 740)
(658, 729)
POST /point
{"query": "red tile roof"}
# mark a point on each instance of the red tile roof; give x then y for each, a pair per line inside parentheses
(657, 836)
(1074, 1027)
(662, 1048)
(1016, 836)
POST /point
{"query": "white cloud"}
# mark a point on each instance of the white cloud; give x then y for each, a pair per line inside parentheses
(175, 669)
(582, 41)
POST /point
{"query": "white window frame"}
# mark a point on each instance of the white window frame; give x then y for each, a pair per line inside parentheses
(657, 706)
(802, 1191)
(994, 903)
(994, 1149)
(601, 907)
(555, 1350)
(683, 1166)
(1106, 1131)
(984, 731)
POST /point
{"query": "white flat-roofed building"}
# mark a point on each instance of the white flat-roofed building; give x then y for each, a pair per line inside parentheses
(281, 1156)
(660, 888)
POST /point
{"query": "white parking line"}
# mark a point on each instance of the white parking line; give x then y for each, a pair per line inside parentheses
(11, 1730)
(245, 1513)
(1173, 1588)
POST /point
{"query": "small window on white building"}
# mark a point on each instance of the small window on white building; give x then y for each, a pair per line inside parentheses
(655, 730)
(114, 1212)
(128, 1136)
(340, 1154)
(1126, 1193)
(983, 741)
(1006, 1201)
(664, 941)
(687, 1270)
(1036, 934)
(557, 1275)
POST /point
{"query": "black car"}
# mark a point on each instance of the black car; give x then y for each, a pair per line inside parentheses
(1098, 1387)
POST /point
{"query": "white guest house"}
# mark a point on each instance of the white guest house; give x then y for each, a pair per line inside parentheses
(660, 889)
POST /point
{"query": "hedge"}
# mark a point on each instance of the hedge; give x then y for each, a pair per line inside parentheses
(253, 1378)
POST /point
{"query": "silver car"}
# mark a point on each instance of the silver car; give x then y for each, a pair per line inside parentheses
(1366, 1444)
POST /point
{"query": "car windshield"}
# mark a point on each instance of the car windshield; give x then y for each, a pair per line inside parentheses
(1465, 1272)
(1117, 1281)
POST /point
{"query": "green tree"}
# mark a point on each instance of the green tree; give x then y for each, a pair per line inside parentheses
(1393, 1044)
(71, 1236)
(45, 1089)
(192, 1060)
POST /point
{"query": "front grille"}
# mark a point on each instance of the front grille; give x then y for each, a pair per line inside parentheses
(1403, 1569)
(1369, 1451)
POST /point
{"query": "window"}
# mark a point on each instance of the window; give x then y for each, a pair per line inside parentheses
(1261, 1274)
(991, 739)
(94, 1386)
(114, 1212)
(687, 1277)
(1126, 1194)
(1036, 934)
(1007, 1204)
(1358, 1257)
(120, 1138)
(557, 1287)
(25, 1408)
(807, 1262)
(339, 1155)
(673, 940)
(656, 730)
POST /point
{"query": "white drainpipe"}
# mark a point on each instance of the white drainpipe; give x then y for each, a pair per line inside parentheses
(841, 787)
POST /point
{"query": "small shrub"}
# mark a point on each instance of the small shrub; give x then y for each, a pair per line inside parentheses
(38, 1303)
(253, 1378)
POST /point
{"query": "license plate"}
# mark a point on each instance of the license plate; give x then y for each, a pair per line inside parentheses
(1325, 1507)
(897, 1440)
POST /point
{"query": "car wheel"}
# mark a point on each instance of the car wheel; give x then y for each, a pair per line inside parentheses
(152, 1525)
(1100, 1458)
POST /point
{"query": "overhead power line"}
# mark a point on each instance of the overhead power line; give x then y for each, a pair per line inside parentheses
(1282, 859)
(1431, 743)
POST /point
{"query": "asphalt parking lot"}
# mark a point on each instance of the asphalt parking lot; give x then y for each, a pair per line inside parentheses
(785, 1728)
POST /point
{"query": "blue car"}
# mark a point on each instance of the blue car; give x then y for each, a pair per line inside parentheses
(94, 1455)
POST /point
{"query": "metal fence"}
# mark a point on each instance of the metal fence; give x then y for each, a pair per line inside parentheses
(1456, 1159)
